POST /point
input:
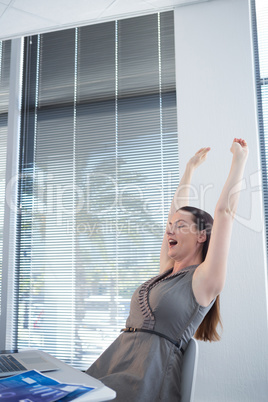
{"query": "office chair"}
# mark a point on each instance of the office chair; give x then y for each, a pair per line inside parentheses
(189, 370)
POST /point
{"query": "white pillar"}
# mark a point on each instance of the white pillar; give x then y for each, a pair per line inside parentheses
(216, 102)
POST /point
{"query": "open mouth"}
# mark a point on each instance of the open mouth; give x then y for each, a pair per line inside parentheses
(172, 243)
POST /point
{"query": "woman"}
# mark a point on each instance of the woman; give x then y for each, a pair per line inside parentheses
(144, 362)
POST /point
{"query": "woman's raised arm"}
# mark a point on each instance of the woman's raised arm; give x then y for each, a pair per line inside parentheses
(209, 277)
(181, 199)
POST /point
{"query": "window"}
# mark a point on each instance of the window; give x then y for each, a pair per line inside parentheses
(99, 165)
(260, 39)
(5, 50)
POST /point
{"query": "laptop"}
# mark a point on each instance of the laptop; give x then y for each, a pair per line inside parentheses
(12, 363)
(61, 372)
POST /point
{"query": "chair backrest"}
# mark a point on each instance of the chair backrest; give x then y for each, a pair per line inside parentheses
(189, 370)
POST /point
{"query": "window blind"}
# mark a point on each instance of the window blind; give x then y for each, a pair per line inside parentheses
(5, 51)
(259, 10)
(99, 166)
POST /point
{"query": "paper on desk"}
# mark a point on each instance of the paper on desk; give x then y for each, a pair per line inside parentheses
(33, 386)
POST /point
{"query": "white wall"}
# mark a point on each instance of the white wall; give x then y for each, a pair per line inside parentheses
(216, 102)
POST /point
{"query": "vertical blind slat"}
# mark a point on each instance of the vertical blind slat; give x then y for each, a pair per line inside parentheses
(260, 46)
(5, 53)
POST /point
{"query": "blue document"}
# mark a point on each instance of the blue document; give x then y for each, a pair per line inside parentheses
(33, 386)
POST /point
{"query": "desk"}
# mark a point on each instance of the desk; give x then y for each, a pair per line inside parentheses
(68, 374)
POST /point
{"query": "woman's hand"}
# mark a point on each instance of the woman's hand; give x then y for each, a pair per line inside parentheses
(199, 157)
(180, 199)
(239, 149)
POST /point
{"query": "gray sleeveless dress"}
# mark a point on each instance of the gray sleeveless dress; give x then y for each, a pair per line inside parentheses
(141, 366)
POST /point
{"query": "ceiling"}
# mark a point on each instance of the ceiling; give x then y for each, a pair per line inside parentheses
(26, 17)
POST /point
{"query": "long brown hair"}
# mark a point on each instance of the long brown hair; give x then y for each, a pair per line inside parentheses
(207, 330)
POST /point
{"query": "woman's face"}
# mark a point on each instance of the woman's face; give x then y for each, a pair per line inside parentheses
(184, 239)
